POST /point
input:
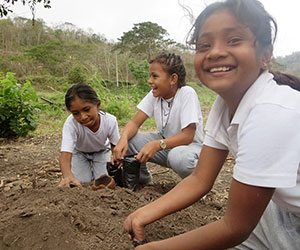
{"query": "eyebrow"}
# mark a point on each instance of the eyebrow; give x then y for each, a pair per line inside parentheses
(79, 109)
(226, 31)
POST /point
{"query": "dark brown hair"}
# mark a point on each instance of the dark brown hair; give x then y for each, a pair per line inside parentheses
(172, 63)
(250, 12)
(286, 79)
(253, 14)
(82, 91)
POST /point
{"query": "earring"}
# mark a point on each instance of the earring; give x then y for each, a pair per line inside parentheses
(264, 66)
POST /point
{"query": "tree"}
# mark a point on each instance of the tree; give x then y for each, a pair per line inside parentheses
(144, 39)
(140, 71)
(5, 9)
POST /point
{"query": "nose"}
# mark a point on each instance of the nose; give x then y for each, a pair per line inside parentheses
(83, 116)
(218, 50)
(150, 81)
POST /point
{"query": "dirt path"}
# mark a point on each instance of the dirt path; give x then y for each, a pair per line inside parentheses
(36, 214)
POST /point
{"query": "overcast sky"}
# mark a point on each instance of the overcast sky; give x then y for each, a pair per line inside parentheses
(113, 17)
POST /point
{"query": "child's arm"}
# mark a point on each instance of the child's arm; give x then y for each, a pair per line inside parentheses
(188, 191)
(112, 147)
(184, 137)
(245, 208)
(129, 131)
(246, 205)
(65, 166)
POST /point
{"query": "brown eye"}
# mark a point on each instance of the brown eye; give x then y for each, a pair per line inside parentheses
(201, 46)
(234, 41)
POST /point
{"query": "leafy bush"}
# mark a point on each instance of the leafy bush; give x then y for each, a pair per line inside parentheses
(76, 75)
(114, 103)
(18, 107)
(118, 106)
(51, 55)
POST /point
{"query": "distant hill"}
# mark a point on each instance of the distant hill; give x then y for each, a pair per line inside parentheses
(289, 64)
(43, 52)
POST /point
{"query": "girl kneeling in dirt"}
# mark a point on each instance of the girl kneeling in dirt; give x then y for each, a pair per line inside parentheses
(257, 121)
(176, 110)
(88, 136)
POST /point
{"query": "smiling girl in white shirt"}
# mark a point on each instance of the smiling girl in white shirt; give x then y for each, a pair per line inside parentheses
(254, 119)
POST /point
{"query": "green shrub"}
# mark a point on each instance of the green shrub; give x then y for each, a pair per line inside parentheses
(18, 107)
(76, 75)
(117, 106)
(51, 55)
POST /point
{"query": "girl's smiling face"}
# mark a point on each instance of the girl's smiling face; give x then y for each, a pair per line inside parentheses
(161, 82)
(86, 113)
(227, 58)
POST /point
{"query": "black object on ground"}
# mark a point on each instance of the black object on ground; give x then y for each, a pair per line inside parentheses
(126, 176)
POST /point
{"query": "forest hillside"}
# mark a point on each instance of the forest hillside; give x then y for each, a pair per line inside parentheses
(50, 54)
(53, 58)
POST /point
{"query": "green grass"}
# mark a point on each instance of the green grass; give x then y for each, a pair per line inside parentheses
(120, 101)
(206, 96)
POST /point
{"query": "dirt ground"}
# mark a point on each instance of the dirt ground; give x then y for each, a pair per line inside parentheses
(36, 214)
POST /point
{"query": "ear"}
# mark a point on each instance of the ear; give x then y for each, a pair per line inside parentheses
(266, 58)
(174, 79)
(98, 106)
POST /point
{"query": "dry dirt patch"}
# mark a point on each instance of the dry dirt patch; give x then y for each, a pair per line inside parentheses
(36, 214)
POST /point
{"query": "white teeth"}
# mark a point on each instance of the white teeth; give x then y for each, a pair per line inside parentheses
(222, 69)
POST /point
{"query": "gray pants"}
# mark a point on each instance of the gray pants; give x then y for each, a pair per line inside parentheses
(182, 159)
(276, 230)
(89, 166)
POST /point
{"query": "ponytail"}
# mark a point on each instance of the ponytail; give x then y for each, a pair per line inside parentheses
(286, 79)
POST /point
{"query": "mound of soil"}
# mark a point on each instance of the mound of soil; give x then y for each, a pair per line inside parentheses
(36, 214)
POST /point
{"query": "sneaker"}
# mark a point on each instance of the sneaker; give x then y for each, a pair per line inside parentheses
(145, 176)
(146, 180)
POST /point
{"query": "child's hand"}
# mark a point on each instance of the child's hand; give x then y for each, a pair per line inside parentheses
(134, 228)
(148, 151)
(119, 150)
(69, 181)
(113, 162)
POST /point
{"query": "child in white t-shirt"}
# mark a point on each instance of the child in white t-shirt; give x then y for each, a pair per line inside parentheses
(176, 110)
(254, 119)
(89, 134)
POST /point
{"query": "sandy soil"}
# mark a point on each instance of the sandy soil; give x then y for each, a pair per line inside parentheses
(36, 214)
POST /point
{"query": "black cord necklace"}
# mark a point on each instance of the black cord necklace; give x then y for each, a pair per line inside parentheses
(170, 105)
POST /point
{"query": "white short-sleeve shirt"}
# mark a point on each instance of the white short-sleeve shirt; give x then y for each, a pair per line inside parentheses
(264, 138)
(185, 110)
(79, 137)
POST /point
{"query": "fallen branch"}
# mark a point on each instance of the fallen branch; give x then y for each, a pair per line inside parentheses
(161, 172)
(53, 89)
(53, 170)
(47, 100)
